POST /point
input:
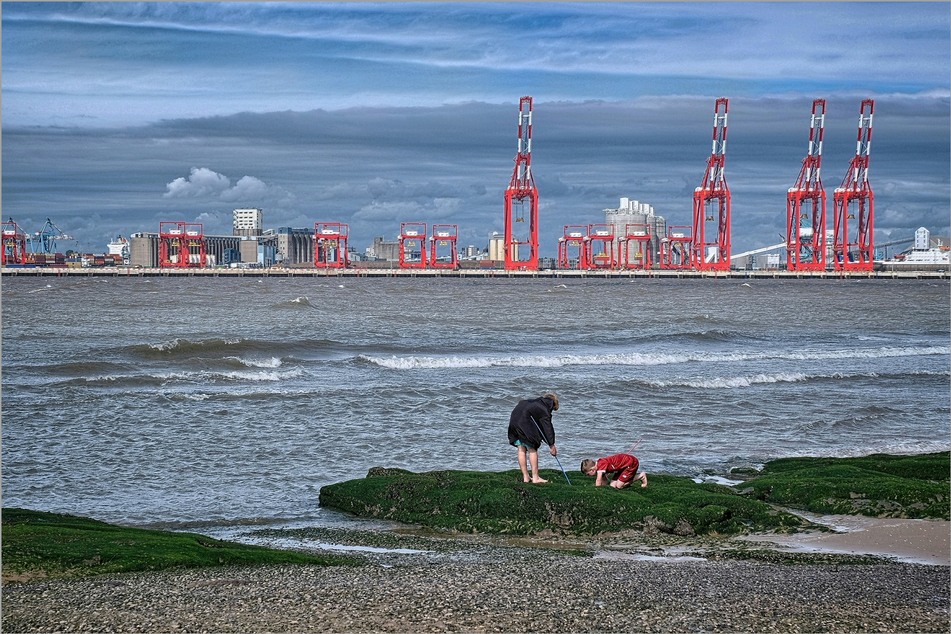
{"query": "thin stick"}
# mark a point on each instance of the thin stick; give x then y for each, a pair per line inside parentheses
(565, 473)
(634, 446)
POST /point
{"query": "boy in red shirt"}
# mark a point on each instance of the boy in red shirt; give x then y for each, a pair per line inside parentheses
(620, 469)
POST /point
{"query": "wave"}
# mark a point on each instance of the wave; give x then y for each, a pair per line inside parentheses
(272, 362)
(297, 302)
(232, 347)
(781, 377)
(416, 362)
(164, 379)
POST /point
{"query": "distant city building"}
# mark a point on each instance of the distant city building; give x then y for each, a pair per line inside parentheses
(382, 249)
(248, 222)
(295, 246)
(221, 250)
(497, 247)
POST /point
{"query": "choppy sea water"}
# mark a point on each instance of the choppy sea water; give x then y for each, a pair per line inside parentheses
(209, 402)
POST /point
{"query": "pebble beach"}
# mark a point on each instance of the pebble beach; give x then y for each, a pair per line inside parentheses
(486, 588)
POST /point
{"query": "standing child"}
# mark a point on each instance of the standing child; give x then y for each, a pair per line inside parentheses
(529, 426)
(621, 468)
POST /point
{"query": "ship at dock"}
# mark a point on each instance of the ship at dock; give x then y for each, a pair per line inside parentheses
(119, 247)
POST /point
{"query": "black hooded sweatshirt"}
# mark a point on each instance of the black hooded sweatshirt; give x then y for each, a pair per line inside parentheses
(522, 422)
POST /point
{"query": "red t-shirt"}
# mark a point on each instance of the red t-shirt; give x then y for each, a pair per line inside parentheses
(624, 463)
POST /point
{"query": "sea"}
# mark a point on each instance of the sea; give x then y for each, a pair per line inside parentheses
(211, 404)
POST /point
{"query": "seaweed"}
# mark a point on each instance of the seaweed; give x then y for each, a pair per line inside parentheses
(500, 503)
(878, 485)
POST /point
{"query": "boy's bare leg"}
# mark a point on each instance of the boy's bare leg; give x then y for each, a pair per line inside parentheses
(533, 459)
(522, 463)
(642, 476)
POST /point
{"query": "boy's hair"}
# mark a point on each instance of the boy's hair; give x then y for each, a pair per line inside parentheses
(587, 465)
(553, 398)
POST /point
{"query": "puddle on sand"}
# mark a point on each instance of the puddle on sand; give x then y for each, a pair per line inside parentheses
(910, 541)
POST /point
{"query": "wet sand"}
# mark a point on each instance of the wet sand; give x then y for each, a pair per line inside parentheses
(479, 584)
(910, 541)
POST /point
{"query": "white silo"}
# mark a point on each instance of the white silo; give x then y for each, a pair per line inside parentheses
(637, 216)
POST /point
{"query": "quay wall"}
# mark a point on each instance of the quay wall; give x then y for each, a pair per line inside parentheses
(356, 272)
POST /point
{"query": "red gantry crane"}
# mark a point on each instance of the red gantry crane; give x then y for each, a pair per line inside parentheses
(600, 247)
(521, 192)
(854, 201)
(412, 241)
(640, 234)
(575, 238)
(676, 248)
(330, 240)
(182, 245)
(14, 244)
(806, 204)
(447, 257)
(711, 203)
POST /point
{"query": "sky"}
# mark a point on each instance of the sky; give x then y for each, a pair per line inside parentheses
(117, 116)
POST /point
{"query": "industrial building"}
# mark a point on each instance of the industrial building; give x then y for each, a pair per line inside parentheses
(632, 236)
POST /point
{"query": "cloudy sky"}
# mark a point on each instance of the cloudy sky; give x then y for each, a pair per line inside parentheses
(117, 116)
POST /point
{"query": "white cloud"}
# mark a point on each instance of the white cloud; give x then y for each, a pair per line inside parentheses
(206, 183)
(247, 188)
(200, 183)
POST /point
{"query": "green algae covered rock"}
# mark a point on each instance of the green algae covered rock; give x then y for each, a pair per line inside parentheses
(500, 503)
(879, 485)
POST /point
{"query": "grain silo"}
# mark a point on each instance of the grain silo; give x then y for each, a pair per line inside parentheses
(634, 221)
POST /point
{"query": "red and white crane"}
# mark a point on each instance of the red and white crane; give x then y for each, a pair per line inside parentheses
(521, 192)
(330, 245)
(806, 204)
(711, 203)
(854, 200)
(14, 244)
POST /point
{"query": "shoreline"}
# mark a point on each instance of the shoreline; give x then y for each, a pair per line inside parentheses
(512, 590)
(413, 580)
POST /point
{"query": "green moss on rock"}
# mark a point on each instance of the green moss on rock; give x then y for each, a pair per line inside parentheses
(879, 485)
(499, 502)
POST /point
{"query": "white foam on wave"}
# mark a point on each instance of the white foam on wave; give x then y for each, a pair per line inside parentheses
(413, 362)
(236, 375)
(165, 346)
(273, 362)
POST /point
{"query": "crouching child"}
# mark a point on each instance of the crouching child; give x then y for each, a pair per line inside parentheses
(618, 470)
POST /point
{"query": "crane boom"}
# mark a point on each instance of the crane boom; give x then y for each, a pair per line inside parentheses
(711, 249)
(521, 190)
(854, 200)
(806, 203)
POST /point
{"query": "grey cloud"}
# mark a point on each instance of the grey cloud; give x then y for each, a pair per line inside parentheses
(376, 167)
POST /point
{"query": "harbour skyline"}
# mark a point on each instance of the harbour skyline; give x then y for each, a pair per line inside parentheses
(118, 116)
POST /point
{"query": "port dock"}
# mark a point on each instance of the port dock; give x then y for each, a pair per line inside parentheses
(468, 273)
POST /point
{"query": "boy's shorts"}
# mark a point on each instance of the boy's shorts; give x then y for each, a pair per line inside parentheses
(627, 475)
(519, 443)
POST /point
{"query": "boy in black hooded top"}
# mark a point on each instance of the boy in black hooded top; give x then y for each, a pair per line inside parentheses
(529, 425)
